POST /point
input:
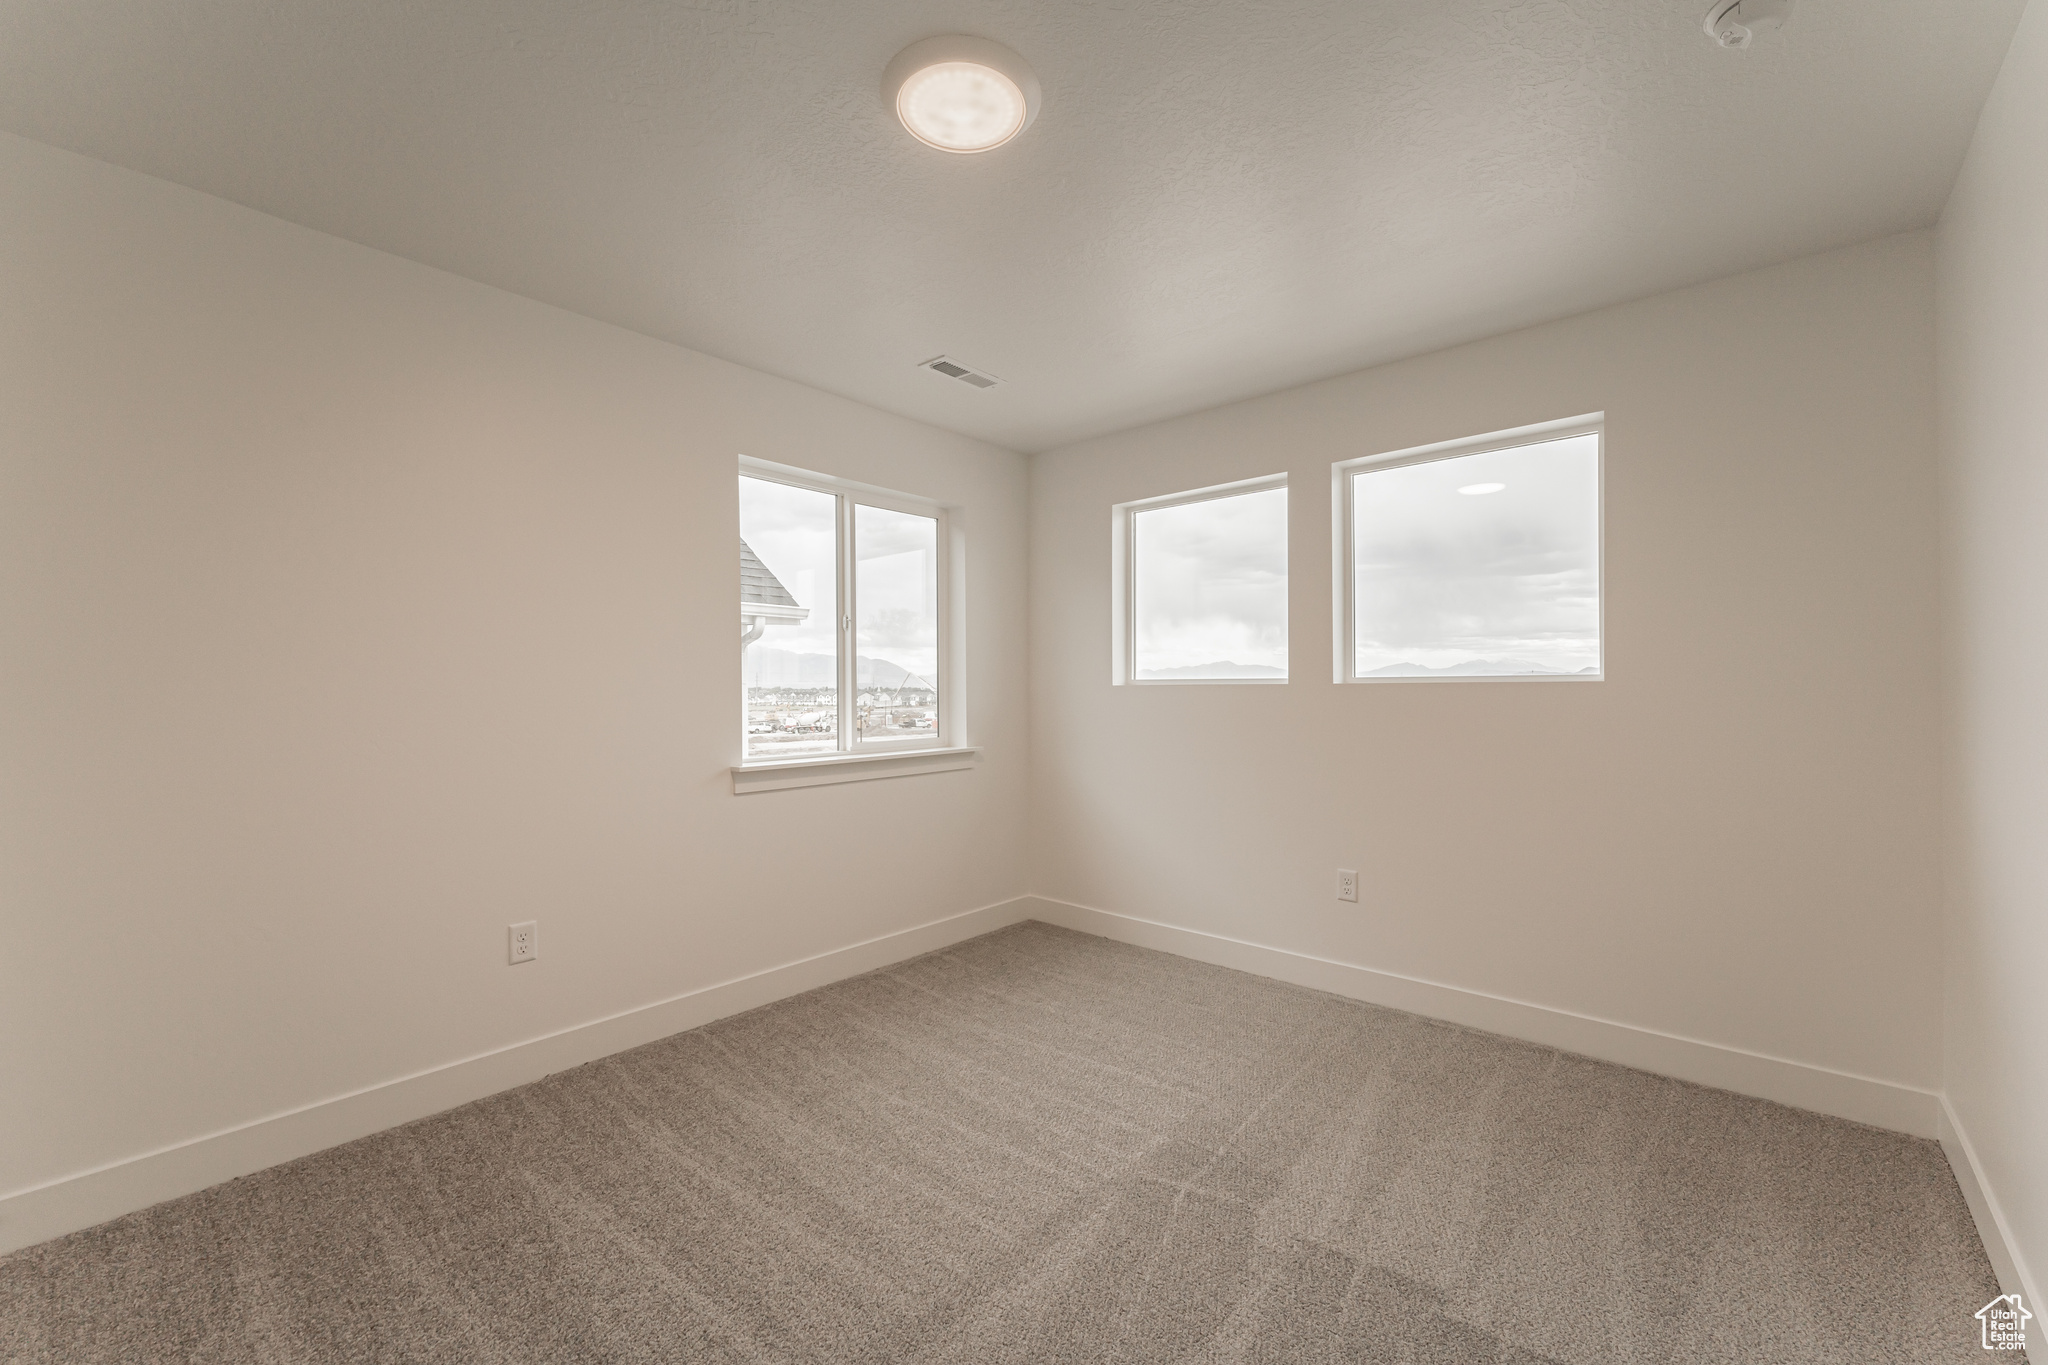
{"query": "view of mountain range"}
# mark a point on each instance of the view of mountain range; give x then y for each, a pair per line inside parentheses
(1473, 668)
(785, 668)
(1222, 668)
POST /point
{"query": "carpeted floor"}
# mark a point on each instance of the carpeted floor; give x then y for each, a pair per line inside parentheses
(1040, 1146)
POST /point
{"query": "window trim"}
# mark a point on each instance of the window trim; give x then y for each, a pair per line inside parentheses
(1341, 474)
(819, 770)
(850, 761)
(1123, 579)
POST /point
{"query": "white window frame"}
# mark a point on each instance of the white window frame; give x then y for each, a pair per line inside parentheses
(858, 759)
(1123, 606)
(1343, 472)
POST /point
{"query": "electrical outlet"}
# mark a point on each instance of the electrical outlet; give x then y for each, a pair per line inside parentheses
(525, 945)
(1347, 884)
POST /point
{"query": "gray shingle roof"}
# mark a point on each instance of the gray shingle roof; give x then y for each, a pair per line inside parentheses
(760, 587)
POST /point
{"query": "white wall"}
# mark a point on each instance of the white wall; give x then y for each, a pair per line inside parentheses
(353, 611)
(1993, 356)
(1733, 839)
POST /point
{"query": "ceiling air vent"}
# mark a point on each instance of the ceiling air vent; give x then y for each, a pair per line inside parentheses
(953, 369)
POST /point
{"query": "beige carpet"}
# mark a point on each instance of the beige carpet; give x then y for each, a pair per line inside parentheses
(1040, 1146)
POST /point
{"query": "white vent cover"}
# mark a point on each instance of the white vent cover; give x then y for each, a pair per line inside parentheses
(953, 369)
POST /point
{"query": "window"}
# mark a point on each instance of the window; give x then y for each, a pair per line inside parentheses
(1473, 559)
(1201, 586)
(841, 617)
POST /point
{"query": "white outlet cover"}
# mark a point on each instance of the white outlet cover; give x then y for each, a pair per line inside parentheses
(1347, 884)
(522, 942)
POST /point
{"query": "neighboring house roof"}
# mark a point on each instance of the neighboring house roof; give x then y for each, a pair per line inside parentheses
(762, 593)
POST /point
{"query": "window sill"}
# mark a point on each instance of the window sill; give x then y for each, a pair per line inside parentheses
(819, 772)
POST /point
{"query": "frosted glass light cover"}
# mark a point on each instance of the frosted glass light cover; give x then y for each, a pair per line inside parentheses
(961, 107)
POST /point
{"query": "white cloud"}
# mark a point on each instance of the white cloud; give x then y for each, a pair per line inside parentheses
(1211, 583)
(896, 589)
(792, 531)
(1443, 579)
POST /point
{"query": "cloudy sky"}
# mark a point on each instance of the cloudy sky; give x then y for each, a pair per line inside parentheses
(792, 531)
(896, 587)
(1446, 577)
(1442, 576)
(1211, 584)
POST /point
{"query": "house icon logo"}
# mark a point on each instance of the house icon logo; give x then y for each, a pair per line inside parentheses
(2005, 1323)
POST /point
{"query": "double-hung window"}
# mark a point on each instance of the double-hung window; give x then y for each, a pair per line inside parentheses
(843, 618)
(1472, 559)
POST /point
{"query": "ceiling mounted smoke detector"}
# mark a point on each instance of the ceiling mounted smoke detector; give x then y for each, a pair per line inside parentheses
(961, 94)
(1732, 23)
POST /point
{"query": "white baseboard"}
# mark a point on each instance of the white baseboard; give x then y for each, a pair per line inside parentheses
(2014, 1276)
(1865, 1099)
(79, 1201)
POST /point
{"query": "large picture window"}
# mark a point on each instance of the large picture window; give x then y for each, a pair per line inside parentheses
(1201, 585)
(841, 618)
(1473, 559)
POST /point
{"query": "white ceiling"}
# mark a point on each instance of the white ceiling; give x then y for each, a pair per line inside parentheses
(1219, 197)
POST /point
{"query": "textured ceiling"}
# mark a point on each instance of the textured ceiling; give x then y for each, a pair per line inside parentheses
(1219, 198)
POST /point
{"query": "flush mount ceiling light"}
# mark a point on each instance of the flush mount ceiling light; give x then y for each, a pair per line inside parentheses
(1473, 490)
(961, 94)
